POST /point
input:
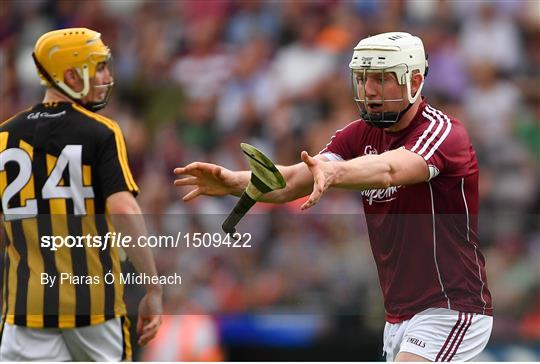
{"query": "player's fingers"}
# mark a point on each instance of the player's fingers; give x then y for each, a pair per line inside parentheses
(191, 195)
(146, 337)
(307, 159)
(187, 169)
(153, 324)
(179, 170)
(188, 181)
(150, 330)
(190, 168)
(313, 198)
(309, 203)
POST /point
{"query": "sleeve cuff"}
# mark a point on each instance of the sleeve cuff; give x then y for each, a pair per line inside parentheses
(332, 156)
(433, 171)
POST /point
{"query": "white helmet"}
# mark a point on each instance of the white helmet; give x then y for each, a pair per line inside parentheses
(397, 52)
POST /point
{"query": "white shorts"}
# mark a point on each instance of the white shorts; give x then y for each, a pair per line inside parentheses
(439, 334)
(102, 342)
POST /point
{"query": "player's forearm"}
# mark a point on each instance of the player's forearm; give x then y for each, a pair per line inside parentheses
(298, 178)
(369, 171)
(299, 184)
(133, 225)
(242, 178)
(143, 261)
(127, 218)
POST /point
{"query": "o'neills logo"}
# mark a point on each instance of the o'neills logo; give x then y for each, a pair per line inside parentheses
(416, 342)
(380, 195)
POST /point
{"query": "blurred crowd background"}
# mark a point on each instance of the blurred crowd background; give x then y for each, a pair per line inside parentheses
(195, 78)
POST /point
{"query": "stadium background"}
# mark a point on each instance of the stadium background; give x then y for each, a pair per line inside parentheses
(195, 78)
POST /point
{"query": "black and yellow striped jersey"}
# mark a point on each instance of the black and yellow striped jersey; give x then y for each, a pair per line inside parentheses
(58, 164)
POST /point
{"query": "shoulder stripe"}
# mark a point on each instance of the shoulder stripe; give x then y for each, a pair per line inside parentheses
(120, 144)
(434, 134)
(445, 134)
(424, 134)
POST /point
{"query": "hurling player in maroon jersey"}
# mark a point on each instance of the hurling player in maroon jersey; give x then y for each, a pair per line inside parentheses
(418, 176)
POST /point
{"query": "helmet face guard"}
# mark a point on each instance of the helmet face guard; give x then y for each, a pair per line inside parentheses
(100, 104)
(104, 89)
(374, 111)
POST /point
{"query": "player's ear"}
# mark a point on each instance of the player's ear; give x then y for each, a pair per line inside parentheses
(416, 80)
(73, 80)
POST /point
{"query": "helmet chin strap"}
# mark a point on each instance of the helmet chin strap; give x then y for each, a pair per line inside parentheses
(93, 106)
(384, 119)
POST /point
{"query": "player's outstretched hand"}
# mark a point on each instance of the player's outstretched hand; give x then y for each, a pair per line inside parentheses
(208, 179)
(323, 175)
(149, 318)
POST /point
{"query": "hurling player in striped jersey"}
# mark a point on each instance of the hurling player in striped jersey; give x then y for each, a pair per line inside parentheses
(418, 176)
(64, 174)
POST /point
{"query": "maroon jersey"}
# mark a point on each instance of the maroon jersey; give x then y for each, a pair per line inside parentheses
(424, 237)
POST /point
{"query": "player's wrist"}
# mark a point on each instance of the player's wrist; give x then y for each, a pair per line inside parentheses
(155, 289)
(335, 177)
(240, 182)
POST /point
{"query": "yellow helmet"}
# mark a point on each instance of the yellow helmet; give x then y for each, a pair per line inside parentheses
(59, 50)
